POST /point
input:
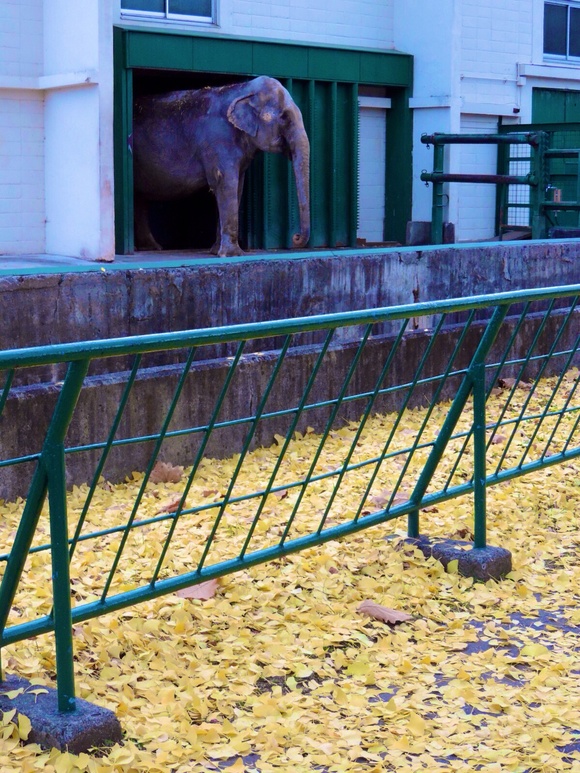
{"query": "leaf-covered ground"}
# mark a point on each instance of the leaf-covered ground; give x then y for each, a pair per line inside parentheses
(278, 671)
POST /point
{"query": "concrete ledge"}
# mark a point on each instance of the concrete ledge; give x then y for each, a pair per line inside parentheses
(77, 732)
(489, 563)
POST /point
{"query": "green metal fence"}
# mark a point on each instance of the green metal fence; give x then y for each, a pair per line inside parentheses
(530, 148)
(331, 374)
(559, 202)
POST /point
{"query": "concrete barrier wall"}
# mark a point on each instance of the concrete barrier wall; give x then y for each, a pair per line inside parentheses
(51, 309)
(111, 302)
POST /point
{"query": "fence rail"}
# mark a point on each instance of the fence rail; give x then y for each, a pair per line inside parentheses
(306, 465)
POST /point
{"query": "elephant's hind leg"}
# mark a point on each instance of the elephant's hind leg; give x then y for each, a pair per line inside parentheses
(144, 239)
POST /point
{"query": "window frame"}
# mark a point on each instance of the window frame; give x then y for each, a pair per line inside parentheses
(166, 16)
(567, 57)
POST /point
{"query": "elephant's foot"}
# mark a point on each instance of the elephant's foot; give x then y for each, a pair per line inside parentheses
(230, 251)
(227, 247)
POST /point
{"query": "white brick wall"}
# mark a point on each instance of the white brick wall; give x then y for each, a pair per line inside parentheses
(21, 129)
(21, 37)
(21, 172)
(476, 202)
(495, 36)
(364, 23)
(367, 23)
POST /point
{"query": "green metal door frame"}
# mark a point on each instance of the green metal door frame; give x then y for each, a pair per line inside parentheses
(318, 70)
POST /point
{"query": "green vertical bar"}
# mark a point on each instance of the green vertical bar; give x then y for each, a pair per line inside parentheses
(437, 210)
(413, 524)
(53, 461)
(123, 159)
(331, 179)
(479, 448)
(538, 191)
(354, 203)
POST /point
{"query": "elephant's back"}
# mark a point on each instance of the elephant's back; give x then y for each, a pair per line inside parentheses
(173, 106)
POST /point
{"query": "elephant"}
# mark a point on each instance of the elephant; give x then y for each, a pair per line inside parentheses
(187, 140)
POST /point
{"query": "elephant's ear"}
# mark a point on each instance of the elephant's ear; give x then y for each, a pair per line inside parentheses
(243, 114)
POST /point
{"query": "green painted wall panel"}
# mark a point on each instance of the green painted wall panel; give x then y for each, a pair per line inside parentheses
(173, 54)
(210, 55)
(555, 106)
(378, 68)
(334, 65)
(277, 61)
(254, 57)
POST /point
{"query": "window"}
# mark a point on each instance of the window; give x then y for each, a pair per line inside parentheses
(562, 30)
(178, 10)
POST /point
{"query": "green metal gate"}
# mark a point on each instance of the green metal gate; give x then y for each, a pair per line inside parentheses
(559, 201)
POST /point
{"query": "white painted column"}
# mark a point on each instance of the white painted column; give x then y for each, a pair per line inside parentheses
(78, 76)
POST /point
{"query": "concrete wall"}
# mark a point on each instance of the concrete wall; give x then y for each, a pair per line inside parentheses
(55, 308)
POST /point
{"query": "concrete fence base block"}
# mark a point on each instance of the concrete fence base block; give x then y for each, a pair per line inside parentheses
(489, 563)
(78, 731)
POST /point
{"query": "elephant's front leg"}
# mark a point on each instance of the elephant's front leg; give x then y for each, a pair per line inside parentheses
(226, 190)
(216, 245)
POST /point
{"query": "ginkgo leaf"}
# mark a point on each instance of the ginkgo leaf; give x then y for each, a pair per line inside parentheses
(199, 685)
(384, 614)
(533, 650)
(170, 505)
(163, 472)
(203, 590)
(24, 726)
(11, 694)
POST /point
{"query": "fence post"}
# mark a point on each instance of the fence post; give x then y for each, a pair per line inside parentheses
(458, 404)
(53, 461)
(479, 452)
(538, 191)
(437, 208)
(50, 476)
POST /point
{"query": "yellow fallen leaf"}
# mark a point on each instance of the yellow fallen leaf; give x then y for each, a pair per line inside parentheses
(533, 650)
(416, 724)
(24, 726)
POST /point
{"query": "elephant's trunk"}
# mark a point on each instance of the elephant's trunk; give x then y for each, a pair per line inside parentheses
(300, 154)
